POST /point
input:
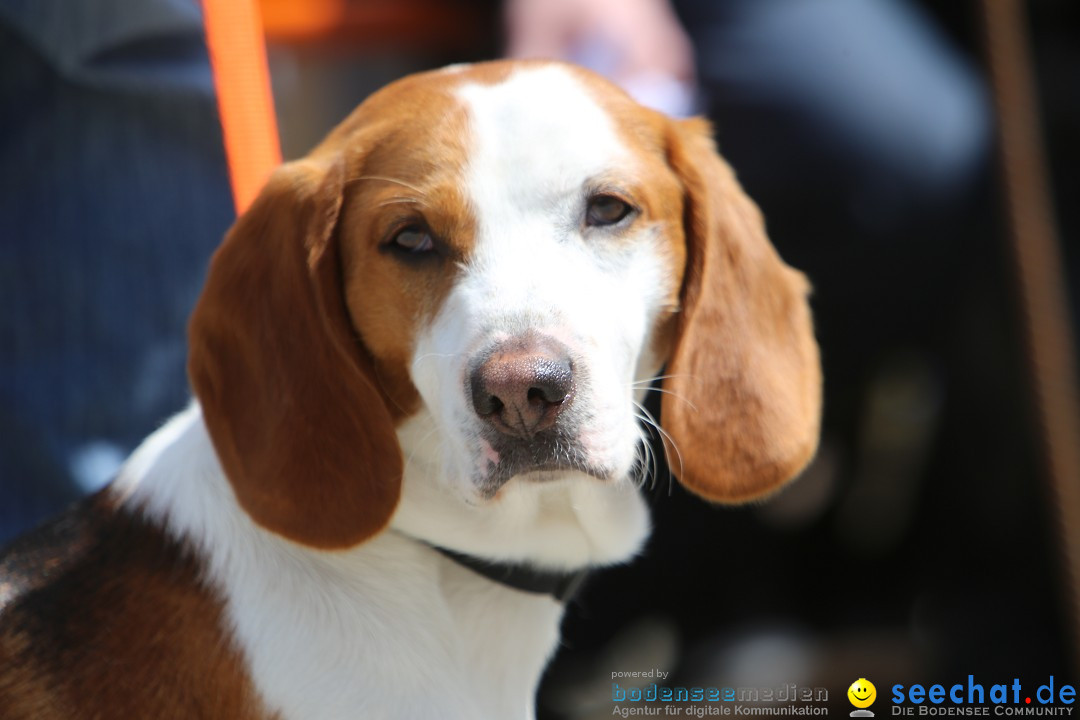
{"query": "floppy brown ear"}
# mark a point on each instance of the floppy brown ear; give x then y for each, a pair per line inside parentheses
(285, 385)
(744, 400)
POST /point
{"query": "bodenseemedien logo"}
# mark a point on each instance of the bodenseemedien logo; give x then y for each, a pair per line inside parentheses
(862, 694)
(678, 701)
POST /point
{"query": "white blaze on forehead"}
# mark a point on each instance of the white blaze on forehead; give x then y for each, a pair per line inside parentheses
(535, 137)
(536, 142)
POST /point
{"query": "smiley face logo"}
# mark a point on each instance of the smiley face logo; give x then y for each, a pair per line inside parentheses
(862, 693)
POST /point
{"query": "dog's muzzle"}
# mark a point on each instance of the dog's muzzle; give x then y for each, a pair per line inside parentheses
(523, 390)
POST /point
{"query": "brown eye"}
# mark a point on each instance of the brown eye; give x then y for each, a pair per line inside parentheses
(414, 240)
(605, 210)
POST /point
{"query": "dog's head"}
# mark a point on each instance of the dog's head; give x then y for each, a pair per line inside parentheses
(489, 263)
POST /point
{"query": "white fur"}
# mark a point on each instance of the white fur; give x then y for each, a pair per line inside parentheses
(391, 628)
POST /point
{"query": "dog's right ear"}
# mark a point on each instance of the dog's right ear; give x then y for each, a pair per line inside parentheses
(286, 387)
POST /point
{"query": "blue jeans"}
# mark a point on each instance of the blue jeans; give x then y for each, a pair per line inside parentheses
(113, 193)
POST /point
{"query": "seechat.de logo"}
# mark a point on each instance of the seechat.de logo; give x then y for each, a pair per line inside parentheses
(975, 698)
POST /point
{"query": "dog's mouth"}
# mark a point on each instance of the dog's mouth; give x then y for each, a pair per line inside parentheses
(545, 457)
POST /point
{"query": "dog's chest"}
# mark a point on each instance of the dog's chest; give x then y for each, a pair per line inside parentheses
(388, 629)
(391, 631)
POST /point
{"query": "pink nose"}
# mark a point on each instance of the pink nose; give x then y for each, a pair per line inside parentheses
(523, 385)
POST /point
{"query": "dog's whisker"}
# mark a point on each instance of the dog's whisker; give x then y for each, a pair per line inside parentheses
(386, 391)
(668, 440)
(652, 458)
(636, 475)
(672, 393)
(390, 180)
(646, 456)
(423, 444)
(645, 459)
(438, 356)
(396, 200)
(650, 380)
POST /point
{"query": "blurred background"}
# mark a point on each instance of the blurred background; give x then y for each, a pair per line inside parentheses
(930, 538)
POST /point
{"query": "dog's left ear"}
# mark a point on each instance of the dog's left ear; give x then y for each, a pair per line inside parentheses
(743, 404)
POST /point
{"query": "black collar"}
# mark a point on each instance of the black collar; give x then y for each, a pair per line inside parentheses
(560, 585)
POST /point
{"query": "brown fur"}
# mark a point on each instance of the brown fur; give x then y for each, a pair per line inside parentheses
(744, 400)
(103, 616)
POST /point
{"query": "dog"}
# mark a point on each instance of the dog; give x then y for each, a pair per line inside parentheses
(417, 363)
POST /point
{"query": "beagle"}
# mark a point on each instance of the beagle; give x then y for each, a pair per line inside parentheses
(418, 354)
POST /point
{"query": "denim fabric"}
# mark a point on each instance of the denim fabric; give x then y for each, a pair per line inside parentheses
(113, 194)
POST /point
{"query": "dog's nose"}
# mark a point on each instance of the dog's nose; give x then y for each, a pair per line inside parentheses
(523, 385)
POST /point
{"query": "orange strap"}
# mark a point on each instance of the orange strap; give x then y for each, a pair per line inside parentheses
(234, 37)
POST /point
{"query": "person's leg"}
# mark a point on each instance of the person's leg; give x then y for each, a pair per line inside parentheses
(114, 194)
